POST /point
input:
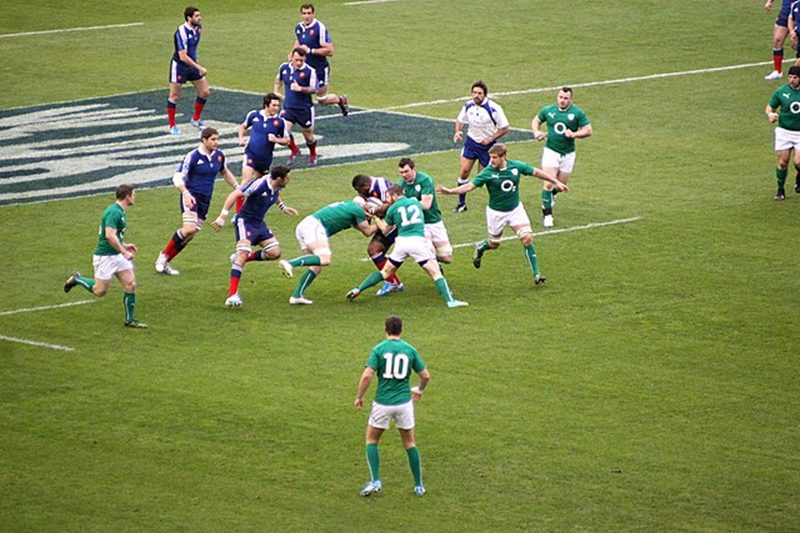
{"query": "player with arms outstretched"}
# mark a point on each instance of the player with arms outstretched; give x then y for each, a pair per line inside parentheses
(502, 179)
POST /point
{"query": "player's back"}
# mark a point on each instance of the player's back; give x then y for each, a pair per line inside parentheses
(393, 361)
(407, 215)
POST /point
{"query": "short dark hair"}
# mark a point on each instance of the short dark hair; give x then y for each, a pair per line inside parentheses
(299, 51)
(395, 190)
(498, 149)
(189, 12)
(359, 180)
(406, 162)
(566, 89)
(124, 190)
(208, 132)
(279, 171)
(482, 85)
(794, 71)
(394, 325)
(269, 97)
(308, 6)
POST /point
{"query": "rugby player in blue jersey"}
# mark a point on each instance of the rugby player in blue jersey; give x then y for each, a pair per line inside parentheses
(184, 67)
(299, 82)
(312, 35)
(266, 129)
(780, 31)
(195, 179)
(251, 228)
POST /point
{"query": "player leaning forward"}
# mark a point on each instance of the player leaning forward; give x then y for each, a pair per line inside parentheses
(501, 179)
(787, 132)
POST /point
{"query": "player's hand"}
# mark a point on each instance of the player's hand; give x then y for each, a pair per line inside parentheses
(131, 247)
(358, 404)
(768, 5)
(773, 117)
(291, 211)
(569, 134)
(457, 137)
(307, 49)
(128, 253)
(203, 70)
(188, 199)
(295, 87)
(539, 135)
(562, 187)
(441, 189)
(416, 394)
(243, 141)
(218, 223)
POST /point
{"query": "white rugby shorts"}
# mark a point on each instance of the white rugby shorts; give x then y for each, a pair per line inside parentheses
(786, 139)
(418, 248)
(552, 159)
(382, 415)
(105, 266)
(310, 230)
(496, 221)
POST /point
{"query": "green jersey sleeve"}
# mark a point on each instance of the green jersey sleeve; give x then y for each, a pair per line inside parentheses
(481, 178)
(583, 120)
(775, 102)
(374, 360)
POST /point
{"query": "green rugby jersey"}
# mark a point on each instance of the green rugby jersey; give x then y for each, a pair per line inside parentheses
(423, 184)
(503, 185)
(339, 216)
(788, 100)
(407, 215)
(113, 217)
(393, 360)
(558, 121)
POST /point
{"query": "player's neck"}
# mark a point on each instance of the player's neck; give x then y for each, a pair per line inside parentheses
(123, 204)
(393, 337)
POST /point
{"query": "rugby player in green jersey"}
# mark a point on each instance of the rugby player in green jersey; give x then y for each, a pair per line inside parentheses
(501, 179)
(565, 123)
(406, 214)
(392, 360)
(787, 132)
(313, 233)
(113, 257)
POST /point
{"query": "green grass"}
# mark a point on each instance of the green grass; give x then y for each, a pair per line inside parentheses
(652, 385)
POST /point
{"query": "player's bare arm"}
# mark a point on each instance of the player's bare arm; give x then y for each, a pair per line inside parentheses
(772, 116)
(230, 179)
(113, 240)
(542, 175)
(538, 135)
(417, 391)
(458, 135)
(184, 55)
(461, 189)
(278, 140)
(287, 209)
(363, 385)
(366, 228)
(242, 135)
(582, 133)
(499, 133)
(223, 214)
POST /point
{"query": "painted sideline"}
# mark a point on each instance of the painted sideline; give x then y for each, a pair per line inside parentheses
(36, 343)
(67, 30)
(367, 2)
(44, 308)
(562, 230)
(588, 84)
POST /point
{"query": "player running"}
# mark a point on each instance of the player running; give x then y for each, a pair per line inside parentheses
(299, 82)
(250, 227)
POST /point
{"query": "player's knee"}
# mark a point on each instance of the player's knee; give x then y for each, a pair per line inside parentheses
(273, 253)
(204, 93)
(375, 247)
(99, 291)
(324, 260)
(129, 286)
(409, 444)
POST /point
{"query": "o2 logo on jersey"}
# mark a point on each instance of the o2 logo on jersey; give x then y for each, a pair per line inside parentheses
(560, 128)
(508, 186)
(794, 107)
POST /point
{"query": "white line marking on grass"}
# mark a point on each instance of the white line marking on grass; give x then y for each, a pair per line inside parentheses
(66, 30)
(591, 225)
(36, 343)
(587, 84)
(44, 307)
(367, 2)
(562, 230)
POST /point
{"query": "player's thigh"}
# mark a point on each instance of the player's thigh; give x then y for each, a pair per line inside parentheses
(404, 415)
(436, 233)
(271, 247)
(127, 278)
(311, 234)
(466, 166)
(201, 86)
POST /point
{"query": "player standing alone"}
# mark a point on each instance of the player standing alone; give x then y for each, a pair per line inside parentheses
(184, 67)
(113, 256)
(787, 132)
(392, 360)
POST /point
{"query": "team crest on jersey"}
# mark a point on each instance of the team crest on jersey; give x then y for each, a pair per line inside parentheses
(301, 75)
(276, 122)
(312, 32)
(219, 158)
(90, 146)
(571, 116)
